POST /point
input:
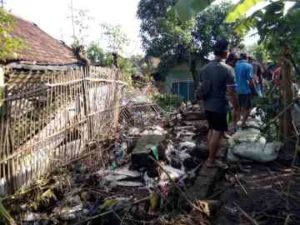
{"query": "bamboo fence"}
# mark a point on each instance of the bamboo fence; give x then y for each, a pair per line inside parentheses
(49, 117)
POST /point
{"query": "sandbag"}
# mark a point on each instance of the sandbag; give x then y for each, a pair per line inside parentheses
(295, 112)
(252, 123)
(249, 135)
(258, 152)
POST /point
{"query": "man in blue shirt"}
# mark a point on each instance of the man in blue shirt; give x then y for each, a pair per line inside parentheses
(244, 78)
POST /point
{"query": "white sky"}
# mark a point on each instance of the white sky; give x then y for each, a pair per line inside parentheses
(52, 17)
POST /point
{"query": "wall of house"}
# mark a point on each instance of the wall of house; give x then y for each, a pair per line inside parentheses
(179, 80)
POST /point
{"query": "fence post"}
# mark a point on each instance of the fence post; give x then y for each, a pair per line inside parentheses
(7, 168)
(116, 101)
(86, 99)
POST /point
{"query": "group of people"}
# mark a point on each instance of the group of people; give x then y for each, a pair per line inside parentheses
(226, 81)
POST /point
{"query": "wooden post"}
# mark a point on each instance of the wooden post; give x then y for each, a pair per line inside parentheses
(287, 94)
(8, 147)
(116, 101)
(86, 99)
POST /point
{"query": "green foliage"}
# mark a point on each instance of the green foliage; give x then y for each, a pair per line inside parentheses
(240, 10)
(116, 39)
(168, 101)
(259, 51)
(165, 36)
(210, 28)
(277, 30)
(8, 44)
(96, 54)
(186, 9)
(276, 27)
(127, 66)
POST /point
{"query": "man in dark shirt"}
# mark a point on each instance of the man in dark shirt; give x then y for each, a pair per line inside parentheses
(220, 78)
(231, 61)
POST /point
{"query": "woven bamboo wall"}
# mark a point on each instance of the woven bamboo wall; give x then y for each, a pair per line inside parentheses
(49, 117)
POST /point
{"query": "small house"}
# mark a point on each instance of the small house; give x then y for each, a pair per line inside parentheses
(39, 49)
(178, 80)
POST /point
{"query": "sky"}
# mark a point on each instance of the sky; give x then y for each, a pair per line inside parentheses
(54, 17)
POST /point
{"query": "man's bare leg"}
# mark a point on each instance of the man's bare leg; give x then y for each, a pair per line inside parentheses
(209, 136)
(245, 113)
(236, 117)
(213, 145)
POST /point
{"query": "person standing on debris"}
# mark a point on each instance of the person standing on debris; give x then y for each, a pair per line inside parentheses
(231, 61)
(244, 78)
(257, 75)
(215, 78)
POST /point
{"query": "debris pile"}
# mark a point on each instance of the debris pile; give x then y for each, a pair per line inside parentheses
(147, 171)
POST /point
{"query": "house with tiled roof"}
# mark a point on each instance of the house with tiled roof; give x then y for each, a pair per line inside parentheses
(40, 50)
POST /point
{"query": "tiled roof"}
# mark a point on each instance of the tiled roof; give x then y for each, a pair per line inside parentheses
(40, 47)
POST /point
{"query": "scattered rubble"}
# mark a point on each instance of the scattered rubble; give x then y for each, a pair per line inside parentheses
(132, 187)
(152, 175)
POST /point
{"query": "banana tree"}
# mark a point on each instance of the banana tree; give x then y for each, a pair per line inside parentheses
(278, 29)
(187, 9)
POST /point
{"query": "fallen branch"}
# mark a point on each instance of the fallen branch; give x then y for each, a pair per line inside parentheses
(5, 214)
(253, 221)
(239, 182)
(279, 115)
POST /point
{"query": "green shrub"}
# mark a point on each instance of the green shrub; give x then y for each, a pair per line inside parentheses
(168, 101)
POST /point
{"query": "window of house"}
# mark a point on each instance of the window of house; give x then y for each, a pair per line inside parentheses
(183, 88)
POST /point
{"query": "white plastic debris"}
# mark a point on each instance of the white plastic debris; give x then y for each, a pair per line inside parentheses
(254, 151)
(114, 177)
(185, 135)
(155, 130)
(70, 209)
(69, 213)
(129, 183)
(125, 171)
(174, 173)
(31, 217)
(134, 131)
(187, 145)
(258, 114)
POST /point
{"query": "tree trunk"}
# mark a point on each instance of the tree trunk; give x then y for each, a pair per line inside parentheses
(193, 65)
(287, 94)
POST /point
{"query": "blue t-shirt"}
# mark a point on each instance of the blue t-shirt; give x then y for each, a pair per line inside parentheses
(243, 74)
